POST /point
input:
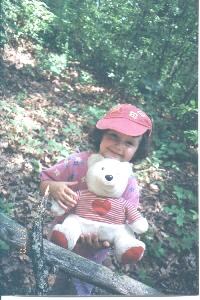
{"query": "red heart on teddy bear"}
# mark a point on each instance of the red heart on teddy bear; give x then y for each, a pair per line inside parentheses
(101, 207)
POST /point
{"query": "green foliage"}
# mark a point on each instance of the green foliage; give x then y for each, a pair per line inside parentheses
(144, 277)
(183, 218)
(180, 232)
(179, 214)
(155, 247)
(8, 17)
(171, 150)
(86, 78)
(185, 109)
(5, 206)
(20, 97)
(28, 18)
(191, 136)
(184, 194)
(94, 113)
(52, 62)
(182, 239)
(72, 128)
(37, 166)
(57, 147)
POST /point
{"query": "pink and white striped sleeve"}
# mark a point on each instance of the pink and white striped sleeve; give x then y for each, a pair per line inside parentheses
(132, 214)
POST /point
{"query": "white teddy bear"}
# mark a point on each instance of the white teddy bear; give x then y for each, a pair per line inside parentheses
(102, 210)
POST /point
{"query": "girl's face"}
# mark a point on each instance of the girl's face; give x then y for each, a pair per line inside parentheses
(118, 145)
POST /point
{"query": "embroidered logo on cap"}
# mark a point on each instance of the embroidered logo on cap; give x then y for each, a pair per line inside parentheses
(134, 115)
(141, 113)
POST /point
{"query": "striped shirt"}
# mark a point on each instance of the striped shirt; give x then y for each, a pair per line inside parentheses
(107, 210)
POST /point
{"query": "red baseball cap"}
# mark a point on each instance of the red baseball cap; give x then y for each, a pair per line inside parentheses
(126, 119)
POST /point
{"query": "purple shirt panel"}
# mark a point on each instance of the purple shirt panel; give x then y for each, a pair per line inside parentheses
(131, 192)
(73, 168)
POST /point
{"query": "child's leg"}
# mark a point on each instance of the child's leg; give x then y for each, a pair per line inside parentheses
(83, 288)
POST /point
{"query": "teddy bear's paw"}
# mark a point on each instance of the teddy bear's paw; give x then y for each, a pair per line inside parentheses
(132, 255)
(59, 239)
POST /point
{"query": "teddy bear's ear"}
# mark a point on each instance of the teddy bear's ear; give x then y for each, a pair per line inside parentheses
(93, 159)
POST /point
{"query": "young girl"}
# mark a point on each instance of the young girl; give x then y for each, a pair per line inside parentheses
(122, 134)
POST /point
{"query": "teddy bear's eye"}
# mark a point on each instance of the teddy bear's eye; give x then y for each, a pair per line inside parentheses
(102, 168)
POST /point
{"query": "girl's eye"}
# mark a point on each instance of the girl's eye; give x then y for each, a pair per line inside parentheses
(129, 144)
(112, 136)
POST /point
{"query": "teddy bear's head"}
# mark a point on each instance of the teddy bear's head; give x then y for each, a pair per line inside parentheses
(107, 177)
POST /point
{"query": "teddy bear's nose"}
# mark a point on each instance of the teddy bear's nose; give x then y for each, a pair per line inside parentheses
(109, 177)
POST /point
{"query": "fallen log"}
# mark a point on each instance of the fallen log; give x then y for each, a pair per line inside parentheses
(17, 236)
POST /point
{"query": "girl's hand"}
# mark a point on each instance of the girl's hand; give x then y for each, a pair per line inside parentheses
(61, 192)
(92, 240)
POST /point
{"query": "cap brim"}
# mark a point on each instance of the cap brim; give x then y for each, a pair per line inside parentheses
(124, 126)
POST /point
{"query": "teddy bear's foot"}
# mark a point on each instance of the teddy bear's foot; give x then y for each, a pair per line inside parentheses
(59, 239)
(132, 255)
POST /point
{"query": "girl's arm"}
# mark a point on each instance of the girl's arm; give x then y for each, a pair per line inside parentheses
(62, 178)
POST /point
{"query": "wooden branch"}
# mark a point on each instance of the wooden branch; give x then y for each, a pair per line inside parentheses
(75, 265)
(38, 258)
